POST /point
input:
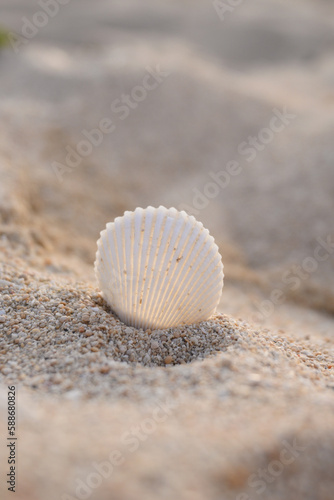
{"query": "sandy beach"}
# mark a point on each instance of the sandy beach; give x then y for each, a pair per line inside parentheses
(227, 113)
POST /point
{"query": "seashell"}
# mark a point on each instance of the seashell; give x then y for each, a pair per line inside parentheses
(159, 268)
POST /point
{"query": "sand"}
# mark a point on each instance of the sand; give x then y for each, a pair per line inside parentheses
(238, 407)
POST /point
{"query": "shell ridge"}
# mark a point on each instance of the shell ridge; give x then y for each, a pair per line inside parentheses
(122, 274)
(129, 266)
(207, 307)
(190, 294)
(194, 313)
(154, 306)
(139, 235)
(201, 280)
(188, 306)
(157, 272)
(156, 239)
(148, 226)
(166, 277)
(156, 247)
(195, 251)
(186, 271)
(118, 236)
(189, 243)
(184, 238)
(135, 261)
(127, 272)
(203, 287)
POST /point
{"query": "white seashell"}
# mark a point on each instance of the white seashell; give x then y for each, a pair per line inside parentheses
(159, 268)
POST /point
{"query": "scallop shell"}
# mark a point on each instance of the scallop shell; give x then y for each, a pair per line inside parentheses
(159, 268)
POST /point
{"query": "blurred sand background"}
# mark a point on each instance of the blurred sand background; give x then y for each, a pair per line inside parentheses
(223, 81)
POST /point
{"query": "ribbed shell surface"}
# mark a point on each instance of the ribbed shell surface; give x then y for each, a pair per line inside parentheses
(159, 268)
